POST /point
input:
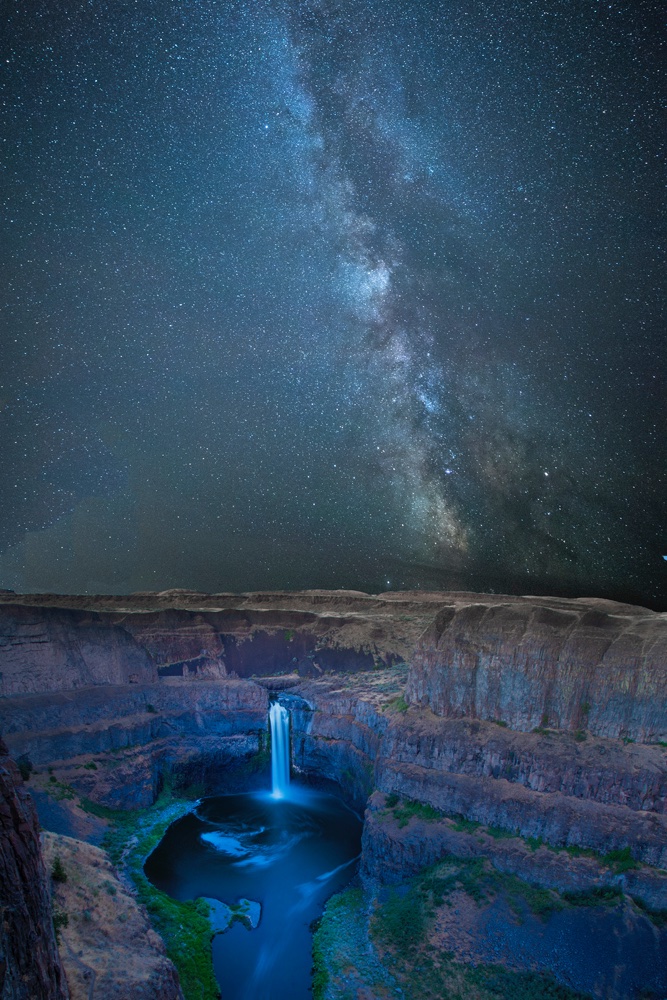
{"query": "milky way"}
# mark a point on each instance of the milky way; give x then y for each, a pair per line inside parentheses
(333, 294)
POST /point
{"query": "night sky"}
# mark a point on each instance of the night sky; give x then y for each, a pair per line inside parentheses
(333, 294)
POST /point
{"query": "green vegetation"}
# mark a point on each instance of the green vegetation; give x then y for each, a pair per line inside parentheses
(658, 917)
(501, 833)
(60, 920)
(620, 861)
(580, 852)
(289, 635)
(463, 825)
(151, 708)
(541, 902)
(499, 722)
(581, 735)
(390, 953)
(409, 808)
(184, 926)
(599, 896)
(397, 704)
(399, 922)
(90, 766)
(58, 873)
(59, 790)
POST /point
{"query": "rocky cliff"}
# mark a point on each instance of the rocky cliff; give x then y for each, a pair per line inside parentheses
(530, 662)
(29, 963)
(533, 662)
(528, 731)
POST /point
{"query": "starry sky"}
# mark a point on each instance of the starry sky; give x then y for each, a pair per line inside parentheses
(333, 293)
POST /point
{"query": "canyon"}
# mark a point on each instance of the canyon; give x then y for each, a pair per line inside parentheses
(530, 732)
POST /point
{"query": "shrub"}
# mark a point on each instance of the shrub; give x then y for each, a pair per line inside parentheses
(593, 897)
(463, 825)
(658, 917)
(58, 873)
(398, 704)
(620, 860)
(60, 920)
(24, 765)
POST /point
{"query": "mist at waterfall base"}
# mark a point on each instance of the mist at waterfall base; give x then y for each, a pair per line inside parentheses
(289, 849)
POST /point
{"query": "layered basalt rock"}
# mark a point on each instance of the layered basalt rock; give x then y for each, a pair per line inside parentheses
(29, 962)
(393, 851)
(534, 662)
(554, 788)
(115, 744)
(109, 697)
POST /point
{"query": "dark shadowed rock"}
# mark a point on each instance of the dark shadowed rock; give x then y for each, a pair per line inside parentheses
(29, 963)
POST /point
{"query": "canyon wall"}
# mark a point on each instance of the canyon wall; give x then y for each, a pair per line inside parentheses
(531, 725)
(567, 664)
(29, 962)
(530, 662)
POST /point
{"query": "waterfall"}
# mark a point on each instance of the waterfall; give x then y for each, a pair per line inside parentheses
(279, 720)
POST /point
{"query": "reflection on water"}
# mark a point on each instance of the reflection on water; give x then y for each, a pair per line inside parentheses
(290, 855)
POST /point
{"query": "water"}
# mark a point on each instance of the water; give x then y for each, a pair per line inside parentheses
(279, 722)
(288, 850)
(288, 854)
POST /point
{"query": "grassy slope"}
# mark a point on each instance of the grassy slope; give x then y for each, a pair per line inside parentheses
(385, 948)
(184, 926)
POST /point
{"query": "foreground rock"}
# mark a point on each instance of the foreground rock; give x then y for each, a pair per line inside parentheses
(107, 946)
(29, 963)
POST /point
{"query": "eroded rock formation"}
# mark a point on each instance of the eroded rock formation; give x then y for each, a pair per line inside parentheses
(29, 963)
(540, 718)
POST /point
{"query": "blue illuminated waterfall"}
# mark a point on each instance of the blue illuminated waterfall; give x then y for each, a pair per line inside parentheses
(279, 720)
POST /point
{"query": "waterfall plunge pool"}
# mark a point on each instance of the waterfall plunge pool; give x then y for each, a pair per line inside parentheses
(289, 850)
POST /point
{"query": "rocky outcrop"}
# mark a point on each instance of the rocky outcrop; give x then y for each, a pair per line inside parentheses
(58, 643)
(114, 745)
(393, 851)
(535, 662)
(29, 963)
(597, 794)
(107, 946)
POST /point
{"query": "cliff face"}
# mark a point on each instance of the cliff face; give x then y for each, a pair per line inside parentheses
(75, 642)
(29, 962)
(46, 649)
(530, 662)
(597, 794)
(137, 734)
(534, 662)
(184, 692)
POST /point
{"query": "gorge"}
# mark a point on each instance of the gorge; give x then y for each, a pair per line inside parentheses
(507, 754)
